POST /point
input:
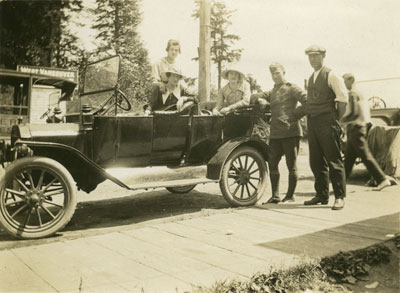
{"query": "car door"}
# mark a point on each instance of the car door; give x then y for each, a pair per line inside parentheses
(135, 140)
(170, 134)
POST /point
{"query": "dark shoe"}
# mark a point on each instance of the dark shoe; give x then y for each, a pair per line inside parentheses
(316, 200)
(273, 200)
(339, 204)
(288, 199)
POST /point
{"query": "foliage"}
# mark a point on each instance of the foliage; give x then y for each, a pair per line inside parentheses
(116, 23)
(36, 33)
(347, 267)
(322, 276)
(221, 41)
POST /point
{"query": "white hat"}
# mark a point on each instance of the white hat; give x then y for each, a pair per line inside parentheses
(234, 69)
(175, 71)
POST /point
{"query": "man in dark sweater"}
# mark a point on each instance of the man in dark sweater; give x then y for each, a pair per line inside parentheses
(326, 104)
(285, 129)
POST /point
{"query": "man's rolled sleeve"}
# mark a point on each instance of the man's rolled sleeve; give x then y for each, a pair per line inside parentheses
(338, 87)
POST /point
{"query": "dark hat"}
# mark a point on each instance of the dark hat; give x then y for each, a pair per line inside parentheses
(315, 49)
(57, 110)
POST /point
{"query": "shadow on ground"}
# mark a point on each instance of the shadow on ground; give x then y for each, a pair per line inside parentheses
(103, 216)
(342, 238)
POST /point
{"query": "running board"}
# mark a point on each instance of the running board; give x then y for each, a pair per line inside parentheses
(173, 183)
(160, 176)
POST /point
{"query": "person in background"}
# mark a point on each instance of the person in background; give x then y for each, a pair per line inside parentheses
(174, 95)
(358, 121)
(326, 104)
(235, 94)
(285, 130)
(168, 62)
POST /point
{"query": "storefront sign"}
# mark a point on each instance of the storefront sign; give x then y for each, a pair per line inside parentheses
(56, 72)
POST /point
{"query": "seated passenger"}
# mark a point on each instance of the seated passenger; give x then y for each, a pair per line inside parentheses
(235, 94)
(159, 68)
(174, 96)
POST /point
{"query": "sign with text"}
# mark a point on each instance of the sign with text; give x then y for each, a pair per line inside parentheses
(51, 71)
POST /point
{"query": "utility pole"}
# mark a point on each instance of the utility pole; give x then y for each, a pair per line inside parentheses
(204, 51)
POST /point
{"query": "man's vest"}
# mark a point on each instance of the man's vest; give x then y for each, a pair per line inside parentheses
(320, 97)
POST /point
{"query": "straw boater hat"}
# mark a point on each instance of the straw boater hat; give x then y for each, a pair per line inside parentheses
(175, 71)
(234, 69)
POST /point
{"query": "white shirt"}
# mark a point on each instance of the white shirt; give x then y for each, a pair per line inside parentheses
(360, 113)
(176, 92)
(336, 83)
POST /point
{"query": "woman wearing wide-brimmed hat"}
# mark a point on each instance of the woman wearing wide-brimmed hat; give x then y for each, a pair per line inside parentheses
(174, 95)
(235, 94)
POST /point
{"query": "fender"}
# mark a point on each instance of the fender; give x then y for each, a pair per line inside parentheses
(85, 172)
(217, 161)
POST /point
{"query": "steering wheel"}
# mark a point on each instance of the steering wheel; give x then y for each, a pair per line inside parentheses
(376, 103)
(121, 97)
(106, 106)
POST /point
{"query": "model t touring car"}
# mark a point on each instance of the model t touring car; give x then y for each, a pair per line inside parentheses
(47, 163)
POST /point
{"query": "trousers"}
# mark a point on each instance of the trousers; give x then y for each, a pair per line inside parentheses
(326, 162)
(357, 146)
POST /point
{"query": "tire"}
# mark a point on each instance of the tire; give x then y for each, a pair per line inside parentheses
(244, 177)
(37, 197)
(180, 189)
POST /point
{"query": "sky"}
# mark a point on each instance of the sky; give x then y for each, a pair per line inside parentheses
(360, 36)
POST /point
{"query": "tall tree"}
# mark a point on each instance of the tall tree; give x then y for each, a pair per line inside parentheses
(36, 32)
(222, 52)
(116, 23)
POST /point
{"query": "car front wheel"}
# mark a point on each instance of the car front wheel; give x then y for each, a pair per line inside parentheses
(244, 177)
(37, 197)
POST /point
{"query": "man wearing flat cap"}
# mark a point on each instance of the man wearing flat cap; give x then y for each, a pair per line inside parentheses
(326, 104)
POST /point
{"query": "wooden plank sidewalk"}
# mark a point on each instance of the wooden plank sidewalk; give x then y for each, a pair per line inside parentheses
(174, 256)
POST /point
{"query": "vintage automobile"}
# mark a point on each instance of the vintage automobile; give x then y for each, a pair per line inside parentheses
(47, 163)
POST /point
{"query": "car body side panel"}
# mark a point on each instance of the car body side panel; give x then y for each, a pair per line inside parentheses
(206, 135)
(170, 134)
(135, 141)
(105, 140)
(389, 116)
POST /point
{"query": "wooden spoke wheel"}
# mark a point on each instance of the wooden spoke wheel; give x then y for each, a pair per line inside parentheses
(37, 197)
(244, 177)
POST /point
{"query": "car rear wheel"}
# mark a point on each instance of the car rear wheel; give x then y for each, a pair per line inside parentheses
(37, 197)
(244, 177)
(181, 189)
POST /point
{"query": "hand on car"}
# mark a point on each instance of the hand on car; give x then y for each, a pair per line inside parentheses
(215, 112)
(225, 110)
(263, 103)
(180, 103)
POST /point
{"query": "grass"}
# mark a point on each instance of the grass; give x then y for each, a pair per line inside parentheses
(330, 274)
